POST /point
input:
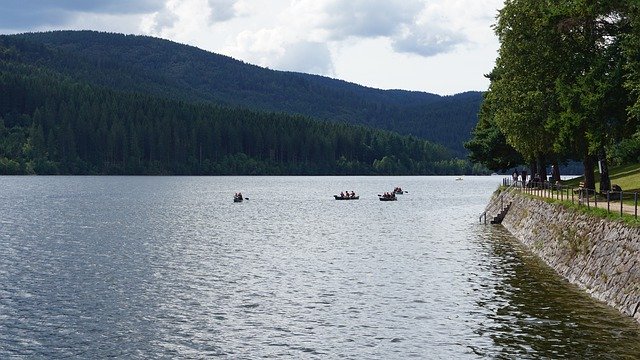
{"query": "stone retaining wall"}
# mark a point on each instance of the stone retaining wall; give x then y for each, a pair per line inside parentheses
(600, 256)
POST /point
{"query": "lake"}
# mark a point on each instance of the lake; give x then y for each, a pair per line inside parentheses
(171, 267)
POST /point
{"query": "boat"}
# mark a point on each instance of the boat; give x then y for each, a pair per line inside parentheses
(237, 198)
(458, 179)
(338, 197)
(387, 198)
(398, 191)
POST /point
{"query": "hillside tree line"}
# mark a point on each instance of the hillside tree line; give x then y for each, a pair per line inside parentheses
(51, 124)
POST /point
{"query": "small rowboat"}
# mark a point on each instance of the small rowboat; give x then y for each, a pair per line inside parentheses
(338, 197)
(387, 198)
(237, 199)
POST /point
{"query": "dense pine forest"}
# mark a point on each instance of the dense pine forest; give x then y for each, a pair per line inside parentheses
(50, 124)
(169, 70)
(54, 123)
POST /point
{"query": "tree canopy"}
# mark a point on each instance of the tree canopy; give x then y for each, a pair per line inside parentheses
(564, 83)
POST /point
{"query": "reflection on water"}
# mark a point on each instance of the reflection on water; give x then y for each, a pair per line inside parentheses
(170, 267)
(533, 313)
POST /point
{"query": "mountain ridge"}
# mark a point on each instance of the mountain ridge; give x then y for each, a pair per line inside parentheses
(168, 69)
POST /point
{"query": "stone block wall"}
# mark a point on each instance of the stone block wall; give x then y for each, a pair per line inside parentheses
(601, 256)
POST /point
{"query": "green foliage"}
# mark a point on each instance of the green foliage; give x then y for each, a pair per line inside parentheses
(488, 146)
(50, 124)
(626, 151)
(563, 82)
(170, 70)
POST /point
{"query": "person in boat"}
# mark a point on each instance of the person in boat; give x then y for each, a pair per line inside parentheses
(341, 194)
(353, 194)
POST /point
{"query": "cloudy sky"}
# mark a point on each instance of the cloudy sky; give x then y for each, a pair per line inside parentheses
(439, 46)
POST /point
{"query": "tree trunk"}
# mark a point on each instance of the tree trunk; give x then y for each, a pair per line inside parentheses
(555, 169)
(605, 181)
(533, 168)
(589, 178)
(542, 168)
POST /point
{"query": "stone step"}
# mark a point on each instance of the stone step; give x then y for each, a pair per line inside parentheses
(498, 218)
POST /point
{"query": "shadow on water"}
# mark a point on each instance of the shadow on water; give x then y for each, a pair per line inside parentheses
(532, 312)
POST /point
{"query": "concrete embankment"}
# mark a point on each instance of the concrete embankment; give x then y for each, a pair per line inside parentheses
(599, 255)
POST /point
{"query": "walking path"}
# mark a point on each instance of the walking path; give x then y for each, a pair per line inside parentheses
(592, 201)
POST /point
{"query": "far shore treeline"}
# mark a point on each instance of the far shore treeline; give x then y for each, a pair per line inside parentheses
(51, 125)
(54, 123)
(565, 87)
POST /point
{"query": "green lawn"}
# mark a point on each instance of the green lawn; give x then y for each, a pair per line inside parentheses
(627, 176)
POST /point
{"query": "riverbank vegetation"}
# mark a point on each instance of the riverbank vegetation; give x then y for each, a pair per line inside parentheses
(565, 87)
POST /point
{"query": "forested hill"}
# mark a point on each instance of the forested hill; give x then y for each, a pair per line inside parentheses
(170, 70)
(53, 124)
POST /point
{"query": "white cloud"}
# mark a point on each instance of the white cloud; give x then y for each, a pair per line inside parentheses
(427, 41)
(156, 23)
(367, 19)
(306, 56)
(261, 45)
(412, 37)
(222, 10)
(180, 20)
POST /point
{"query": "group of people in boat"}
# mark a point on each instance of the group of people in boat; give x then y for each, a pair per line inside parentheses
(398, 190)
(237, 196)
(389, 195)
(347, 194)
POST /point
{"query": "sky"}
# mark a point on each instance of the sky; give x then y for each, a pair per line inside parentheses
(438, 46)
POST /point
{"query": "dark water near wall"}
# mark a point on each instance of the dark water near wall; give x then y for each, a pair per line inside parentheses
(170, 267)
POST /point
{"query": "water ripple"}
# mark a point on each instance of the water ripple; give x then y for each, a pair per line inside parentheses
(168, 267)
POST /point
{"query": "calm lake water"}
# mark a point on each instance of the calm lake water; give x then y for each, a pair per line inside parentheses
(170, 267)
